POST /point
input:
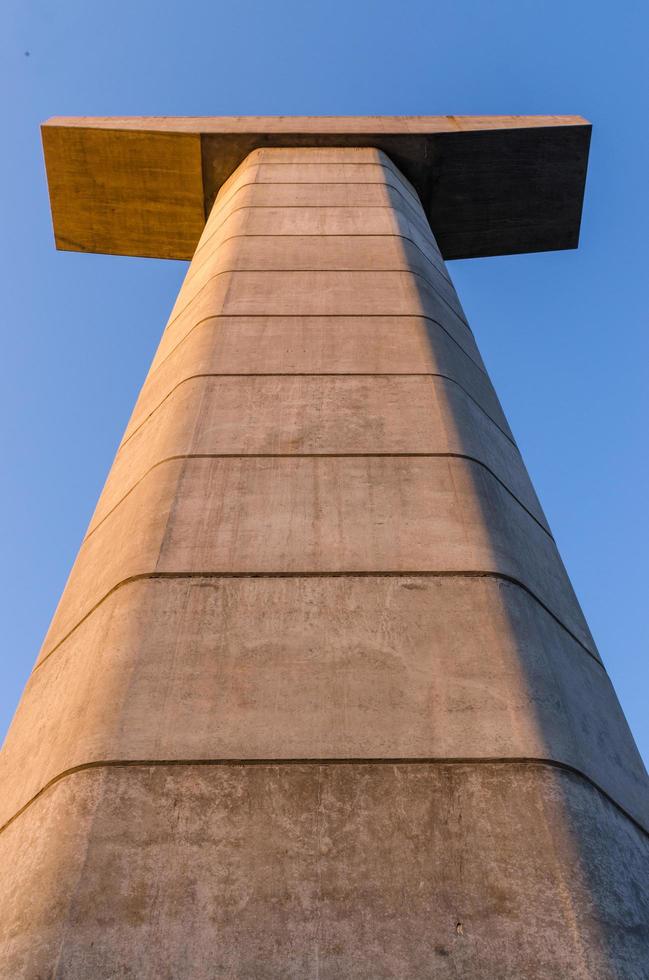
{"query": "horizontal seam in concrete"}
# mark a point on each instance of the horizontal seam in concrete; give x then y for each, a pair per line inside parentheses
(313, 316)
(311, 374)
(319, 183)
(386, 455)
(409, 214)
(521, 761)
(191, 273)
(404, 191)
(313, 207)
(347, 234)
(330, 272)
(172, 576)
(388, 164)
(317, 316)
(325, 163)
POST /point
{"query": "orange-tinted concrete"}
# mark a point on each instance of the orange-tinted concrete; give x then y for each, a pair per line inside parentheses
(318, 699)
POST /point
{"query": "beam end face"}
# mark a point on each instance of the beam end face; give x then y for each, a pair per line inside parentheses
(125, 192)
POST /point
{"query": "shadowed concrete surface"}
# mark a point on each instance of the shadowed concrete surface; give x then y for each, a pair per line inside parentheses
(318, 699)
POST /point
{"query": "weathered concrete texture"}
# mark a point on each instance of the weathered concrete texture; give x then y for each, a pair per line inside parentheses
(320, 668)
(371, 253)
(375, 871)
(260, 187)
(341, 253)
(328, 416)
(316, 345)
(327, 216)
(318, 515)
(315, 293)
(289, 164)
(389, 214)
(318, 541)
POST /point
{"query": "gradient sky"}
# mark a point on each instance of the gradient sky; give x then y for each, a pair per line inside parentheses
(563, 334)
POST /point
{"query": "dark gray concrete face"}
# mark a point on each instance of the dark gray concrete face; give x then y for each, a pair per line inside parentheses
(318, 699)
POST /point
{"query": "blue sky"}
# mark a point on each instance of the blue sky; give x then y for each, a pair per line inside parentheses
(564, 334)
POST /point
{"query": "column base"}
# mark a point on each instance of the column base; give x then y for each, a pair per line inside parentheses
(370, 870)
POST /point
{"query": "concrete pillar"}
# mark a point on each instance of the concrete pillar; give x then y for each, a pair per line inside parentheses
(318, 699)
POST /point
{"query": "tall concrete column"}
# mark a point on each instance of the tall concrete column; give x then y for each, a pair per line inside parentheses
(318, 699)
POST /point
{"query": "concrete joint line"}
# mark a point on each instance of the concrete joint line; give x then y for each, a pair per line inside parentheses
(319, 183)
(316, 316)
(419, 761)
(322, 374)
(184, 456)
(399, 187)
(333, 272)
(410, 215)
(425, 231)
(322, 163)
(177, 576)
(191, 273)
(356, 234)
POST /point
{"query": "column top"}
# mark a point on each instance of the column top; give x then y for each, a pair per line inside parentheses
(490, 185)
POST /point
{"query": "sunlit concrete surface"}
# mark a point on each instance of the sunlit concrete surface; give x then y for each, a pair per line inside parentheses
(318, 699)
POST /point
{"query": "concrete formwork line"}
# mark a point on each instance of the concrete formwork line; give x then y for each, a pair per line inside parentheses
(318, 183)
(315, 207)
(320, 374)
(191, 273)
(401, 761)
(365, 455)
(279, 316)
(314, 163)
(408, 573)
(332, 272)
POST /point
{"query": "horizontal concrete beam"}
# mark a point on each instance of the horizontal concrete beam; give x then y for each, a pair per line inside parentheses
(490, 185)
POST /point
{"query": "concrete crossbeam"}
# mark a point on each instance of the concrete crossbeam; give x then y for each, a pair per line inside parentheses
(489, 184)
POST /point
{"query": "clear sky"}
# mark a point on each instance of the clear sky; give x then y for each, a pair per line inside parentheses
(563, 334)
